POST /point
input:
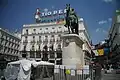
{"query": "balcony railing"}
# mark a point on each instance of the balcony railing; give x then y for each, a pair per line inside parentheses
(26, 33)
(45, 41)
(39, 42)
(33, 42)
(25, 42)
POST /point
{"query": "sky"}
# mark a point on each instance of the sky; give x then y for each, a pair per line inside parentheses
(97, 14)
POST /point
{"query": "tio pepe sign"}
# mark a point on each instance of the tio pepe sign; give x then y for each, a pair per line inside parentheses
(55, 12)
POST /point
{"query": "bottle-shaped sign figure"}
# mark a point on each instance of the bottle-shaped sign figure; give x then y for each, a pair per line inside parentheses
(37, 16)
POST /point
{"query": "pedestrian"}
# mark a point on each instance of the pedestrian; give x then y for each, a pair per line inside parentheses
(2, 78)
(24, 71)
(98, 71)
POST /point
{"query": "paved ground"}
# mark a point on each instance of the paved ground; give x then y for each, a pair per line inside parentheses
(111, 76)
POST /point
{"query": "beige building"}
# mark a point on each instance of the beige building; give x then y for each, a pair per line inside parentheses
(43, 41)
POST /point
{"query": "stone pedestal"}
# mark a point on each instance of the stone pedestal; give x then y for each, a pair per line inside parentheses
(72, 50)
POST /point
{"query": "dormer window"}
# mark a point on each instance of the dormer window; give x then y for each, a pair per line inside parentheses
(46, 28)
(34, 31)
(26, 31)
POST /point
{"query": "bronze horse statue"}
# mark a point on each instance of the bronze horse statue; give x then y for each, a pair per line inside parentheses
(71, 20)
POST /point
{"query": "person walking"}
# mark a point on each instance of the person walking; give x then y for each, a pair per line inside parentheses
(98, 68)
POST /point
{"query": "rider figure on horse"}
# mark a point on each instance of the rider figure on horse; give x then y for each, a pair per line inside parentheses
(71, 19)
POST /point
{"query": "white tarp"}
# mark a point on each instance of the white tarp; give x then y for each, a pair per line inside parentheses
(42, 63)
(21, 69)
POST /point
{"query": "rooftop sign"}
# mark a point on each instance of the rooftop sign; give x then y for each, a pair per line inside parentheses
(49, 16)
(55, 12)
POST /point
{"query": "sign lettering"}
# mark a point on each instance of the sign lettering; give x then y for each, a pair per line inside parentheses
(53, 12)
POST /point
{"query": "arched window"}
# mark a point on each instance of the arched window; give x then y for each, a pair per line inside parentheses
(26, 31)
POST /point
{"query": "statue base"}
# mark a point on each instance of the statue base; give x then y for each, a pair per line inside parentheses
(72, 50)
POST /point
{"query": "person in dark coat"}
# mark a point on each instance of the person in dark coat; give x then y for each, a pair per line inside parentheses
(98, 68)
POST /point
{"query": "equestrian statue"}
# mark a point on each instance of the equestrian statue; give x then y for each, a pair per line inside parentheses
(71, 20)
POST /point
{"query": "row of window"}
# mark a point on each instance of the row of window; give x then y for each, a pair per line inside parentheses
(9, 50)
(44, 55)
(44, 41)
(46, 36)
(9, 38)
(44, 48)
(34, 30)
(9, 44)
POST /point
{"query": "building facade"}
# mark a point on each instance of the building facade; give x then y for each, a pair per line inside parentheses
(9, 45)
(114, 38)
(43, 41)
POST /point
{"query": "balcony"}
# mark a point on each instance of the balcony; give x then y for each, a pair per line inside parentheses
(17, 47)
(39, 42)
(45, 41)
(25, 42)
(33, 42)
(14, 46)
(11, 45)
(52, 41)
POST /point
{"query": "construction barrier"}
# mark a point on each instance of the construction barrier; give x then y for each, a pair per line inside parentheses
(62, 72)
